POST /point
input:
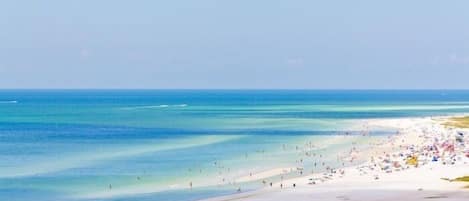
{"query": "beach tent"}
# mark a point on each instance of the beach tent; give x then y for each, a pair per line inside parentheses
(412, 161)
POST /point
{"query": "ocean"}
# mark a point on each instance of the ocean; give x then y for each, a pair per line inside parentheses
(130, 145)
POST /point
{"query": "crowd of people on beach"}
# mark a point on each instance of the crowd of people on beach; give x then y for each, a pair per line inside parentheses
(439, 145)
(435, 144)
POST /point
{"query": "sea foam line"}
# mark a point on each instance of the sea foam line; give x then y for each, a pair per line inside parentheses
(9, 101)
(154, 106)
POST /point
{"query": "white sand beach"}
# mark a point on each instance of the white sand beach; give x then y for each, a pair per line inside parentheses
(417, 163)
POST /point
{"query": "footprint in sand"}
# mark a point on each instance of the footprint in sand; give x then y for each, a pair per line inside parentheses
(343, 197)
(436, 197)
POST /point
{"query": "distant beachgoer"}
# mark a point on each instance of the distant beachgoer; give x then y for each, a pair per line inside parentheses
(270, 184)
(190, 184)
(281, 185)
(294, 185)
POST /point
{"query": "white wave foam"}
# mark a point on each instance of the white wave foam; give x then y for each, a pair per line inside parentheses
(154, 106)
(11, 102)
(397, 107)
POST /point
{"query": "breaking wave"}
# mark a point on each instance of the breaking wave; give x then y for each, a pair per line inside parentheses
(8, 102)
(154, 106)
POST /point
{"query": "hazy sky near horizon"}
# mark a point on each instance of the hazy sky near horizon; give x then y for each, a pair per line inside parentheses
(234, 44)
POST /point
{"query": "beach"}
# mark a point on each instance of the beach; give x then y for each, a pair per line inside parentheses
(188, 145)
(234, 100)
(390, 173)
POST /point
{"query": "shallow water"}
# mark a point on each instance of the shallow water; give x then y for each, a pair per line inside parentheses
(149, 145)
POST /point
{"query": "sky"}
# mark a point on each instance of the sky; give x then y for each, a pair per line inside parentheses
(242, 44)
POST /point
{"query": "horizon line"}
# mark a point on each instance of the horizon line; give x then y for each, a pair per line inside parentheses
(256, 89)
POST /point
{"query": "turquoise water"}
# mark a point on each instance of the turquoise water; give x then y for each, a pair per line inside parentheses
(150, 144)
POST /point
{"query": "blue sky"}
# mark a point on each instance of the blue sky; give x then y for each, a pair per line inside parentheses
(234, 44)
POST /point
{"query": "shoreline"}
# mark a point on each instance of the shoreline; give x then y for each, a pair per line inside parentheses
(411, 181)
